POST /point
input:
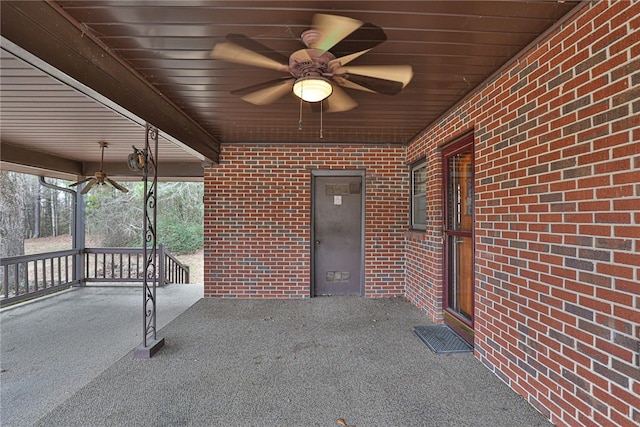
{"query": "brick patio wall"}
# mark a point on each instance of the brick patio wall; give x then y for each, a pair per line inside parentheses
(557, 231)
(258, 218)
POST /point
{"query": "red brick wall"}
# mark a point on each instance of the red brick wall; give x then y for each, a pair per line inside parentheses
(557, 146)
(258, 218)
(423, 279)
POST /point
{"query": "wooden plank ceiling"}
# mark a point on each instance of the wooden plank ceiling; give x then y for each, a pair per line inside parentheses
(42, 117)
(452, 47)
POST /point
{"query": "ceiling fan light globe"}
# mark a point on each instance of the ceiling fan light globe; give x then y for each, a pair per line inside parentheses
(312, 89)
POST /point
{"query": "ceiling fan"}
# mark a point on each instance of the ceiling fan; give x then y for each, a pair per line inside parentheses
(99, 178)
(318, 72)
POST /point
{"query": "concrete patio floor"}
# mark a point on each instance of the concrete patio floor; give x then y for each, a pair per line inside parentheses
(53, 346)
(244, 363)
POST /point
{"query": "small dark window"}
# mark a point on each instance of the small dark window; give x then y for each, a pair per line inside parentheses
(419, 196)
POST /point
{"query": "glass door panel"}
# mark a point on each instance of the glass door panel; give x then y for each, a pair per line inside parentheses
(460, 292)
(458, 237)
(460, 192)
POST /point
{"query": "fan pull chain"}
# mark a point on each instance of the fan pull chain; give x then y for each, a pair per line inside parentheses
(321, 120)
(300, 119)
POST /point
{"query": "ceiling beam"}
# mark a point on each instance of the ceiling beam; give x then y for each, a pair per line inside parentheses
(45, 31)
(24, 160)
(19, 155)
(175, 171)
(28, 170)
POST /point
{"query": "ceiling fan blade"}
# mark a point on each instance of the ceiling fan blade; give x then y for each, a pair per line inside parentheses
(260, 86)
(80, 182)
(232, 52)
(117, 186)
(332, 29)
(267, 92)
(397, 73)
(255, 46)
(339, 101)
(373, 84)
(352, 85)
(364, 38)
(344, 60)
(89, 186)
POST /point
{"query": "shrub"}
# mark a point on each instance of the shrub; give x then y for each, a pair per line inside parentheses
(180, 237)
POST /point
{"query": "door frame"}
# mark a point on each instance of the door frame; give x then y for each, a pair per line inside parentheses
(316, 173)
(461, 326)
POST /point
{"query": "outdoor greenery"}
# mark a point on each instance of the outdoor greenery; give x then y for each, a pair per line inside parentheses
(30, 210)
(117, 217)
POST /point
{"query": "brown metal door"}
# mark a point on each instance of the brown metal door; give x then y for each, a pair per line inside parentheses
(337, 234)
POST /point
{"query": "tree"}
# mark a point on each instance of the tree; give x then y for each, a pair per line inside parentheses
(12, 219)
(181, 216)
(29, 210)
(12, 214)
(117, 217)
(36, 214)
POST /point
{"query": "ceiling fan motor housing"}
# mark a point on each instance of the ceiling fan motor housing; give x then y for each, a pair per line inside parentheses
(310, 62)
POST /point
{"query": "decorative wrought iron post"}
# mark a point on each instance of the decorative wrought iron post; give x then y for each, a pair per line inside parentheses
(151, 343)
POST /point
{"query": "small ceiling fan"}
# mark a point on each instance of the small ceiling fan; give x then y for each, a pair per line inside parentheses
(318, 72)
(99, 178)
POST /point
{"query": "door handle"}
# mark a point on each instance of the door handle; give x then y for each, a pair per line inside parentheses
(317, 242)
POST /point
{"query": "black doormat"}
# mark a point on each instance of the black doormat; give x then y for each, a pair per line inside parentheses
(442, 340)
